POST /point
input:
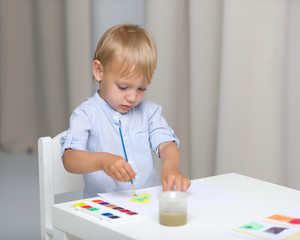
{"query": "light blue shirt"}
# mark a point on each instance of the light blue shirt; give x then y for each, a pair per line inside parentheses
(94, 127)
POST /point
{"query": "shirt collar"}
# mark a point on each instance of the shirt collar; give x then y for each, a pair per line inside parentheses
(114, 115)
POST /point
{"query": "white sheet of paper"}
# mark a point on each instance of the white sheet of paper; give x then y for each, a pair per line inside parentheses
(201, 194)
(270, 229)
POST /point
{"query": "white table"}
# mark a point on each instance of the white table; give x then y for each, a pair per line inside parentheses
(262, 199)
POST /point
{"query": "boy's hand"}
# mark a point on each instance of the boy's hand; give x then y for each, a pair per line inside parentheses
(117, 168)
(171, 177)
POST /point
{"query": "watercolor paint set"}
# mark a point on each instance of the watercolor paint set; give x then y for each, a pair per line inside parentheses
(105, 210)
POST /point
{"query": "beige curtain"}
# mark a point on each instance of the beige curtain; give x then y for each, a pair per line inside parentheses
(224, 78)
(44, 68)
(227, 76)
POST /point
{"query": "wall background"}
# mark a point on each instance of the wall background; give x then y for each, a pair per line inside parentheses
(227, 76)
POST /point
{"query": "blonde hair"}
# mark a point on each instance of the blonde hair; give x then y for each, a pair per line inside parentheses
(132, 46)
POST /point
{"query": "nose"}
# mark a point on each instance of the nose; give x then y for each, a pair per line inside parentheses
(131, 96)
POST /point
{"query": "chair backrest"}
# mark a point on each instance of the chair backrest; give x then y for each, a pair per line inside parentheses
(53, 180)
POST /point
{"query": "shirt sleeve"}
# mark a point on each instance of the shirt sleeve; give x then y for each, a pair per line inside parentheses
(78, 132)
(159, 130)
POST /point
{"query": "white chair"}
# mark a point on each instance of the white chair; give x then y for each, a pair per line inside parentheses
(53, 180)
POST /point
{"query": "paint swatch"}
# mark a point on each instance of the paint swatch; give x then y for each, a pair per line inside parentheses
(266, 230)
(283, 226)
(105, 210)
(142, 198)
(286, 219)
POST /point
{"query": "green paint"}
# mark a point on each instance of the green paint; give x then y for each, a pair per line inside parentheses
(93, 209)
(252, 226)
(143, 198)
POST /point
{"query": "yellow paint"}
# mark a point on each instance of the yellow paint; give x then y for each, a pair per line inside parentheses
(79, 204)
(143, 198)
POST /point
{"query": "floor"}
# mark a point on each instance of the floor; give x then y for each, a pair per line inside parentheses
(19, 201)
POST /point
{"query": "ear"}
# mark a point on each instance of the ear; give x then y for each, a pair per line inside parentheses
(97, 70)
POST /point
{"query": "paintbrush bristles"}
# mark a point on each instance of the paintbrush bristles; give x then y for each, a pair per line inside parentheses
(134, 194)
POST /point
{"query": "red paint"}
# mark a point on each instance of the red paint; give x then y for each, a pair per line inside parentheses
(131, 213)
(125, 211)
(87, 206)
(295, 221)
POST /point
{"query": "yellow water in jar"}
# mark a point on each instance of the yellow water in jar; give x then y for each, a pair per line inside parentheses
(172, 219)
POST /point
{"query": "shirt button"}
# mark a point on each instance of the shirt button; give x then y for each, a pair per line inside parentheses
(116, 119)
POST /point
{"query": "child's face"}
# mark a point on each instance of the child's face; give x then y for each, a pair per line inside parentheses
(121, 93)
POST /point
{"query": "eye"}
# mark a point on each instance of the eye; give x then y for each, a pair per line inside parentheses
(122, 87)
(142, 89)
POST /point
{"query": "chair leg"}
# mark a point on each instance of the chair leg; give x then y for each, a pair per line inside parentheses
(60, 235)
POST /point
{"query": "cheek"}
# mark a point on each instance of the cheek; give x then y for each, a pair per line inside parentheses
(112, 91)
(140, 96)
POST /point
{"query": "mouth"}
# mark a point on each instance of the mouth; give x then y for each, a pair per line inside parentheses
(126, 107)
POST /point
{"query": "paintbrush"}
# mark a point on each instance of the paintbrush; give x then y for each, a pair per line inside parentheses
(134, 194)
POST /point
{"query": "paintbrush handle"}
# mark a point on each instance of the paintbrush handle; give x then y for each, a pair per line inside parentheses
(125, 154)
(123, 144)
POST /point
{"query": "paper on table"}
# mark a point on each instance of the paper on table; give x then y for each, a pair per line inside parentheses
(201, 194)
(282, 225)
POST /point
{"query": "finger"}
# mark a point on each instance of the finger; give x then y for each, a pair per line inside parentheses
(112, 174)
(186, 184)
(178, 185)
(114, 171)
(118, 176)
(170, 184)
(129, 171)
(125, 174)
(164, 185)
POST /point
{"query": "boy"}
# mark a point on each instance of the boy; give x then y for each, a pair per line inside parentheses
(123, 65)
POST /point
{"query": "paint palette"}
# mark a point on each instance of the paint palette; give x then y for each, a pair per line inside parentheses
(105, 210)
